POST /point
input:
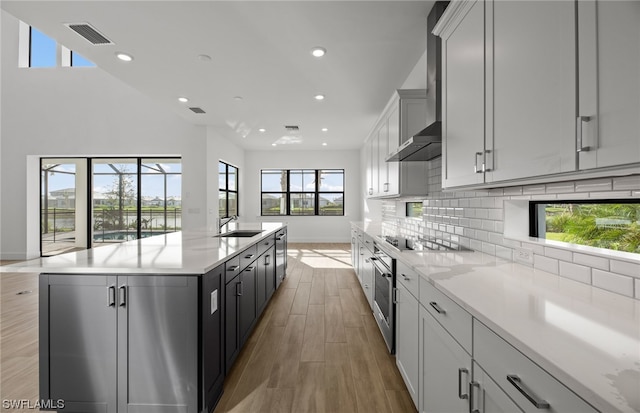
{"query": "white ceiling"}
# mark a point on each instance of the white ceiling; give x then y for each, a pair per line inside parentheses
(260, 51)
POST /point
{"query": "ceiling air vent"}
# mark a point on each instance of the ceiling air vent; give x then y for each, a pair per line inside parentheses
(292, 128)
(89, 33)
(197, 110)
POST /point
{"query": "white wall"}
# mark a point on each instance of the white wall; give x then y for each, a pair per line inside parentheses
(81, 112)
(306, 229)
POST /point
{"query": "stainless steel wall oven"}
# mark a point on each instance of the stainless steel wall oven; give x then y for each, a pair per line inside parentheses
(384, 268)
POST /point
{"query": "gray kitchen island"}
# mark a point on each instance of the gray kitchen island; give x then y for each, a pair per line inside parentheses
(153, 325)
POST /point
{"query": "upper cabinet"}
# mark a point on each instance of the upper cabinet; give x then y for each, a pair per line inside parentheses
(608, 122)
(404, 116)
(511, 90)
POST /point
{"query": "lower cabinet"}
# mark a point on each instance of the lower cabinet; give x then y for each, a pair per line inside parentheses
(109, 338)
(445, 369)
(487, 397)
(266, 279)
(281, 256)
(407, 339)
(366, 274)
(240, 312)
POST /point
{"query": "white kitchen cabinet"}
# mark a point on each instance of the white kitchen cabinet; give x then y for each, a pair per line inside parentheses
(407, 339)
(527, 384)
(508, 90)
(365, 275)
(445, 369)
(609, 85)
(530, 89)
(462, 30)
(487, 397)
(404, 116)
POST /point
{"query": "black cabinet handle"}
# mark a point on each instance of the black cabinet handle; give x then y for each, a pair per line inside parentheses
(249, 256)
(239, 290)
(526, 392)
(122, 296)
(234, 268)
(436, 307)
(251, 268)
(111, 296)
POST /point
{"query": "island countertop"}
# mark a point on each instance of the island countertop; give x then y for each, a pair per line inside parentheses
(183, 252)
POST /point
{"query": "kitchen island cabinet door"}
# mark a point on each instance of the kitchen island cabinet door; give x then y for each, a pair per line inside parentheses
(247, 301)
(231, 321)
(281, 256)
(157, 344)
(487, 396)
(212, 336)
(609, 91)
(463, 97)
(270, 269)
(445, 369)
(79, 363)
(531, 89)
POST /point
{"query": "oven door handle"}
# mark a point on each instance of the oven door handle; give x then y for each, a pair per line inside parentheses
(381, 269)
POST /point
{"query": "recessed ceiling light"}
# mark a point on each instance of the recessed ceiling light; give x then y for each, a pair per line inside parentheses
(238, 98)
(273, 144)
(324, 143)
(318, 51)
(319, 97)
(204, 57)
(183, 99)
(124, 57)
(262, 130)
(324, 129)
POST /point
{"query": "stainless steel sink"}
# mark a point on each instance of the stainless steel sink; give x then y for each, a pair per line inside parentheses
(239, 233)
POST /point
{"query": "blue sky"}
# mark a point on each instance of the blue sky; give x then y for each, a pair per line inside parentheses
(43, 52)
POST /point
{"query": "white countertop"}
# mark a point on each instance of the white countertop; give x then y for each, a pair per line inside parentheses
(186, 252)
(586, 337)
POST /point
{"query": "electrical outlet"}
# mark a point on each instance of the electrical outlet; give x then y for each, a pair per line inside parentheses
(524, 256)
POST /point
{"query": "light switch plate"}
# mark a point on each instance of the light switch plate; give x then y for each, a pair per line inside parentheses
(214, 301)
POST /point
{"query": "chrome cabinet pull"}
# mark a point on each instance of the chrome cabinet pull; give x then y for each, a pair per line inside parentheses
(122, 296)
(370, 191)
(234, 268)
(394, 296)
(526, 392)
(462, 371)
(405, 277)
(267, 259)
(484, 161)
(473, 397)
(111, 296)
(386, 187)
(436, 307)
(581, 121)
(475, 164)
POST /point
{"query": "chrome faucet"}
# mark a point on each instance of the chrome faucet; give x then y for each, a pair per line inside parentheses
(225, 221)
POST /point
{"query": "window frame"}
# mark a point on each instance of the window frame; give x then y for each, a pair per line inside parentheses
(537, 216)
(227, 190)
(287, 194)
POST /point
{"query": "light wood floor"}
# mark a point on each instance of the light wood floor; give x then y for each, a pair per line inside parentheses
(316, 347)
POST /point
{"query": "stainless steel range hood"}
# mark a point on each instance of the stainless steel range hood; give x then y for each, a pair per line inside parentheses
(423, 146)
(427, 144)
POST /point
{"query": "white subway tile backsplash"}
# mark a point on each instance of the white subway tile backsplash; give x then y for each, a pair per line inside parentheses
(482, 213)
(613, 282)
(496, 214)
(626, 268)
(495, 238)
(500, 227)
(475, 245)
(533, 189)
(626, 182)
(475, 223)
(591, 261)
(574, 196)
(502, 252)
(536, 248)
(545, 264)
(594, 185)
(560, 187)
(575, 272)
(558, 253)
(488, 248)
(610, 194)
(482, 235)
(496, 192)
(514, 190)
(635, 194)
(489, 225)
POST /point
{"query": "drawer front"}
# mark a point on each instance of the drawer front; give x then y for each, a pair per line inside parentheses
(368, 241)
(408, 278)
(248, 256)
(450, 315)
(232, 268)
(524, 381)
(265, 244)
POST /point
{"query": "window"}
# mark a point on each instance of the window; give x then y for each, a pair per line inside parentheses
(228, 190)
(610, 224)
(39, 50)
(302, 192)
(414, 209)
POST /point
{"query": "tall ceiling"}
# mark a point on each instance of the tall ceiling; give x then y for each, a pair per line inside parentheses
(261, 73)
